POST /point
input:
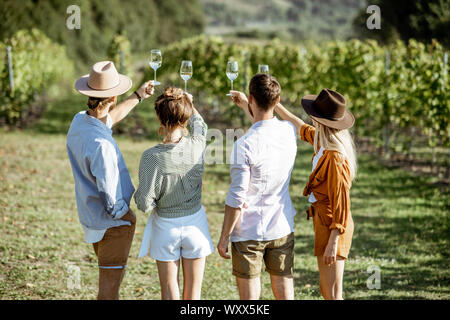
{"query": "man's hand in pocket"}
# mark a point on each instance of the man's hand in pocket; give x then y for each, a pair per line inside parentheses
(130, 216)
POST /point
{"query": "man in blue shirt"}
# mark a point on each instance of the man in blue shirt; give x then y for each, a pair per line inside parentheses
(103, 186)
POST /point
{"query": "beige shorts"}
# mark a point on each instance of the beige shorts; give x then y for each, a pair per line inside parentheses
(278, 255)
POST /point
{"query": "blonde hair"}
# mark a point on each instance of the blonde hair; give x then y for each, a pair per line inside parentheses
(337, 140)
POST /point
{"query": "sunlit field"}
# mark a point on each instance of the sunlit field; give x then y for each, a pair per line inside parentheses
(401, 227)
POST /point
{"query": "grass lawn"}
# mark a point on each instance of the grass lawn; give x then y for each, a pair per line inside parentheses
(401, 226)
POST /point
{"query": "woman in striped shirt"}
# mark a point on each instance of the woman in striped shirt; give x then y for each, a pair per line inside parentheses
(170, 185)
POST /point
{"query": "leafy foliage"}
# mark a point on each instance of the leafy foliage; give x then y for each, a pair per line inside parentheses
(403, 19)
(412, 91)
(145, 22)
(38, 63)
(286, 19)
(119, 53)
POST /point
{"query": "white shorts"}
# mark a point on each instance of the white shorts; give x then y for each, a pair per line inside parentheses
(172, 238)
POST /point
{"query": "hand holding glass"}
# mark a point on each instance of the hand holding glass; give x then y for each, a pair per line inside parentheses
(155, 62)
(232, 72)
(186, 72)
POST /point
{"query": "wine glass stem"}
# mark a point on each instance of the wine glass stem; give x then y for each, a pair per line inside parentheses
(231, 84)
(185, 86)
(155, 74)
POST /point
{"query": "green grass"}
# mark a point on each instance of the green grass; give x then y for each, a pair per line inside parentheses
(401, 226)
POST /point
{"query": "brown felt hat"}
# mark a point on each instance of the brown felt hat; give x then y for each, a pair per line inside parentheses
(328, 108)
(103, 82)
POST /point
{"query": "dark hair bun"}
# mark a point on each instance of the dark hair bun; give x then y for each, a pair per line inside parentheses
(173, 107)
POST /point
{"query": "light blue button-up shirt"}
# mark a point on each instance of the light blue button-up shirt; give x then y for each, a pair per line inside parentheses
(103, 186)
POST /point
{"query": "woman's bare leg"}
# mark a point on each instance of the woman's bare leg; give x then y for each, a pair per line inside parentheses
(331, 278)
(168, 279)
(193, 270)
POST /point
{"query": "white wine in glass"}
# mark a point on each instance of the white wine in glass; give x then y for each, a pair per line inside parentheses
(232, 72)
(155, 62)
(186, 72)
(263, 68)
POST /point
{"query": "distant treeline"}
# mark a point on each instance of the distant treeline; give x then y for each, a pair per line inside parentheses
(405, 19)
(284, 19)
(298, 20)
(146, 23)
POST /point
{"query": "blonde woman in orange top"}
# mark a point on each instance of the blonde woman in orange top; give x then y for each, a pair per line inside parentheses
(328, 187)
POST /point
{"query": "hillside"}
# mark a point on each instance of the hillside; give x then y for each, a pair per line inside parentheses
(286, 19)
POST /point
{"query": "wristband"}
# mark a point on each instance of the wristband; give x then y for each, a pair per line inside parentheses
(138, 96)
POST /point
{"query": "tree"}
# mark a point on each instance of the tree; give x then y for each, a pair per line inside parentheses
(179, 19)
(404, 19)
(147, 23)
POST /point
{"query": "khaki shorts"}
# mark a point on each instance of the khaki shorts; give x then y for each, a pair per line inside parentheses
(112, 251)
(277, 254)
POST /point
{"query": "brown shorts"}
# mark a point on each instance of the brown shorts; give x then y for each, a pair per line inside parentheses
(277, 254)
(322, 220)
(112, 251)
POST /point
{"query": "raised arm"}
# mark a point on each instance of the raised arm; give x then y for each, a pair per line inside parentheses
(240, 99)
(285, 114)
(123, 108)
(197, 125)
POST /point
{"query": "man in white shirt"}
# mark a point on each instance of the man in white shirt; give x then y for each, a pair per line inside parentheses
(259, 214)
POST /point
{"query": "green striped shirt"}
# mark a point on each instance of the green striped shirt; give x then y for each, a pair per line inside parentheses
(170, 175)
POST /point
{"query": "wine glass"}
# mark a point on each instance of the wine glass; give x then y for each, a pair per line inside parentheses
(155, 62)
(186, 72)
(232, 72)
(263, 68)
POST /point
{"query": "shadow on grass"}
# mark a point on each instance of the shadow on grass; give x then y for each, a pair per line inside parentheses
(412, 258)
(401, 225)
(398, 217)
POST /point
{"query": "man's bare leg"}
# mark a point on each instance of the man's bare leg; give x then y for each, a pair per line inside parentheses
(282, 287)
(109, 281)
(249, 289)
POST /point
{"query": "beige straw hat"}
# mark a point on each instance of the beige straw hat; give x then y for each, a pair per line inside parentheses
(103, 82)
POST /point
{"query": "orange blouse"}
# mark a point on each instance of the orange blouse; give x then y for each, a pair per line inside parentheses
(330, 182)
